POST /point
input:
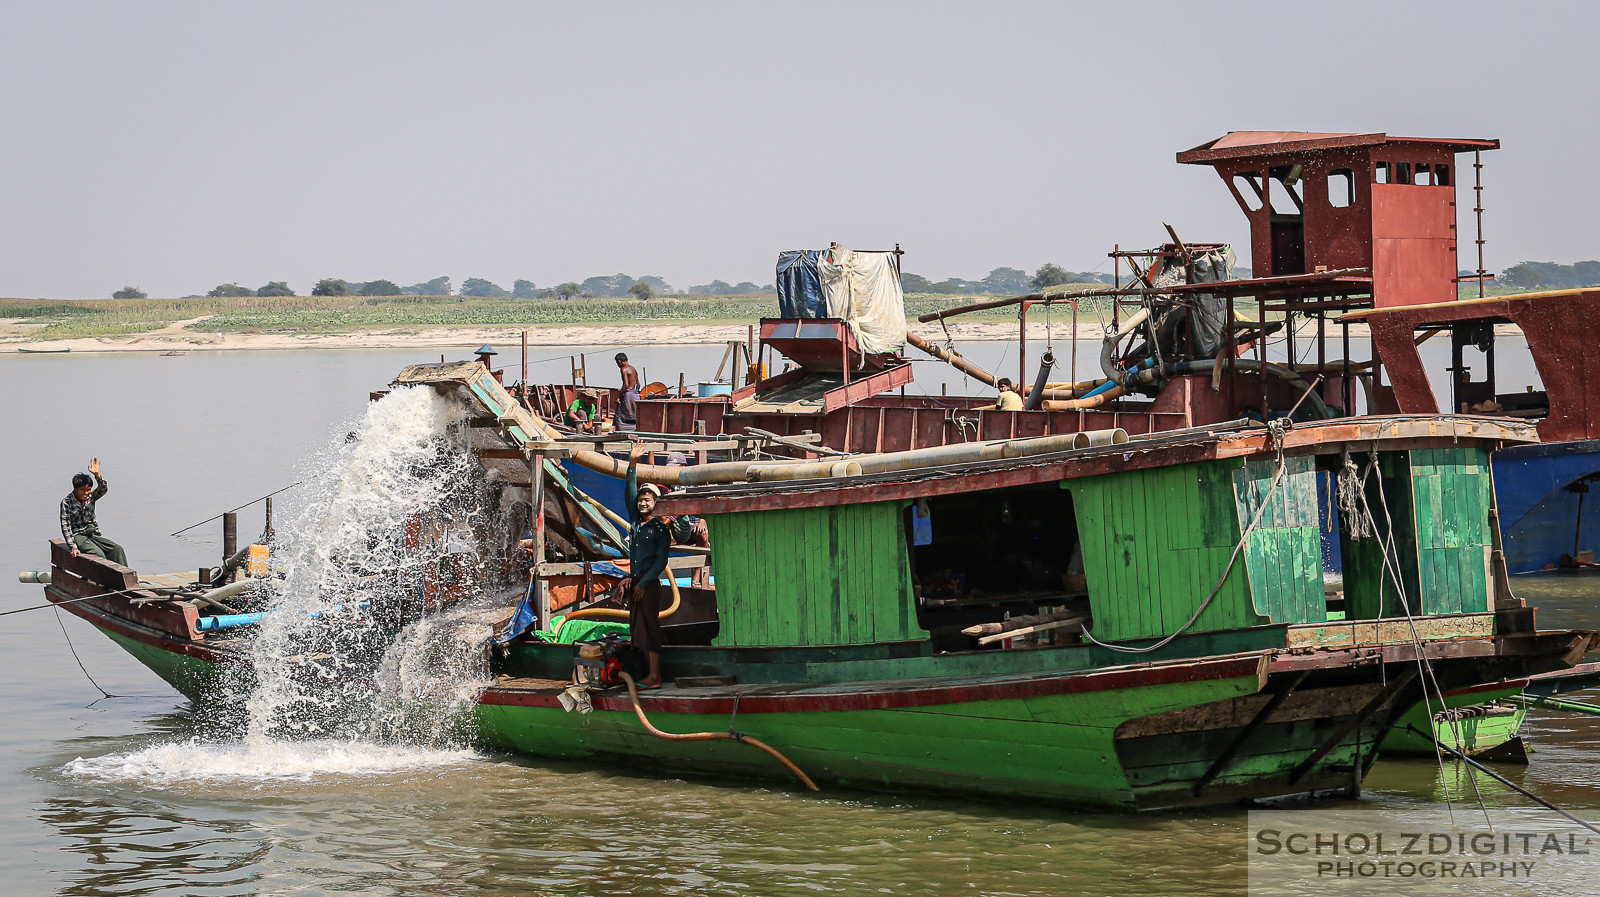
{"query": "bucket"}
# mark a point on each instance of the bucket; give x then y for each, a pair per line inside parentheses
(704, 390)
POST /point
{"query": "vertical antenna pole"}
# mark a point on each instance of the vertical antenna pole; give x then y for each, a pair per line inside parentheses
(1477, 208)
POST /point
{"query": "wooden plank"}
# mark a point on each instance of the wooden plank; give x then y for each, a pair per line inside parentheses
(1369, 633)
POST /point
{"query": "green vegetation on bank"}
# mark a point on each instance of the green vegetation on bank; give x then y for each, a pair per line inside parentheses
(231, 311)
(70, 319)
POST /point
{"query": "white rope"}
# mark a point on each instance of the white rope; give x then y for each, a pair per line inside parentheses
(1391, 564)
(1278, 428)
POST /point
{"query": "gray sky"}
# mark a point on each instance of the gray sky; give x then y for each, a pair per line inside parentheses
(178, 146)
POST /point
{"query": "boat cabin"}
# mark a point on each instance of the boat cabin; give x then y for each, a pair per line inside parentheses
(1124, 544)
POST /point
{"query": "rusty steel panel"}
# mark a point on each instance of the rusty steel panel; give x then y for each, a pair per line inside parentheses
(1563, 333)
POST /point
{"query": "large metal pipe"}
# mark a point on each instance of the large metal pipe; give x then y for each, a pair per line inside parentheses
(1036, 395)
(760, 473)
(954, 359)
(34, 576)
(1094, 401)
(229, 590)
(935, 456)
(1044, 445)
(968, 452)
(1109, 364)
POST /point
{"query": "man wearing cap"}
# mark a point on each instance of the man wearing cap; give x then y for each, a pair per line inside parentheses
(584, 412)
(647, 559)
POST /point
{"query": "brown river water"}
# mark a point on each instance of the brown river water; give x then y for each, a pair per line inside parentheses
(131, 795)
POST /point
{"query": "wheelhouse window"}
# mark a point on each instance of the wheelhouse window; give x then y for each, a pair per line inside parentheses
(1341, 188)
(1287, 190)
(1248, 185)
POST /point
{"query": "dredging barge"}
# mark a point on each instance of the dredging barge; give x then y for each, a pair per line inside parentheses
(1190, 660)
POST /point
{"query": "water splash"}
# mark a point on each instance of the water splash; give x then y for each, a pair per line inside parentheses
(392, 520)
(358, 667)
(262, 762)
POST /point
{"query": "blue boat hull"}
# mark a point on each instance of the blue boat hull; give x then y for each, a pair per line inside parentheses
(1538, 505)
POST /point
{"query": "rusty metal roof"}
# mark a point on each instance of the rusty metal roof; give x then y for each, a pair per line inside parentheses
(1248, 144)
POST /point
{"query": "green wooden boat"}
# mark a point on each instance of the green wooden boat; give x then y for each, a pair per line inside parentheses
(1207, 672)
(1178, 648)
(43, 351)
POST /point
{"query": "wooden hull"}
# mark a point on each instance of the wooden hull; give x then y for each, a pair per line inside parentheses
(1210, 718)
(1177, 733)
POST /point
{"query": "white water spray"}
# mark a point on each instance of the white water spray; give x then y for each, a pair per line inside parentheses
(356, 668)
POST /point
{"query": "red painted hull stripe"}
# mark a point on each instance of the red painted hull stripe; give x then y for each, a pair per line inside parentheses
(103, 620)
(1134, 677)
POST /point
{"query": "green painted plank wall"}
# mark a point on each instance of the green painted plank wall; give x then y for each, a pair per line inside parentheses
(1368, 587)
(1155, 542)
(1452, 498)
(813, 576)
(1284, 552)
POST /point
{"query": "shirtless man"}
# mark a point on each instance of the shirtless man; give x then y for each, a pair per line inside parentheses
(628, 407)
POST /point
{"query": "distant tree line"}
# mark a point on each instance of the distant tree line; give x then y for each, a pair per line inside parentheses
(1009, 281)
(1549, 275)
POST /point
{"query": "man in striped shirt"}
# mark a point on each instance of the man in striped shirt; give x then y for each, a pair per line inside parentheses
(78, 525)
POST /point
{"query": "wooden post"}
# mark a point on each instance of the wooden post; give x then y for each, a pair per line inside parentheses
(541, 590)
(699, 430)
(230, 537)
(524, 376)
(681, 392)
(268, 534)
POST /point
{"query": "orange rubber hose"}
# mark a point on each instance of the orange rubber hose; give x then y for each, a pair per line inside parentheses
(730, 735)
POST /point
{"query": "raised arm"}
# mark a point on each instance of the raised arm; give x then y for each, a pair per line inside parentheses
(631, 493)
(100, 488)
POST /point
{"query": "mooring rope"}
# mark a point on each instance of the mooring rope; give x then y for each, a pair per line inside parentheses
(1391, 564)
(240, 508)
(70, 647)
(18, 610)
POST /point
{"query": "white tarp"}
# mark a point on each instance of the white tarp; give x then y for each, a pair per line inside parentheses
(863, 288)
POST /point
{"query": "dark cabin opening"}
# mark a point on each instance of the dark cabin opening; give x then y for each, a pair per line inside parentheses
(1472, 381)
(1286, 192)
(984, 557)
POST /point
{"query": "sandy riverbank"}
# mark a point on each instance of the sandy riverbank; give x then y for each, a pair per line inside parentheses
(175, 338)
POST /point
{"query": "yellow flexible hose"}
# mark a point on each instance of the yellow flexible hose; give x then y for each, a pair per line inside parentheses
(730, 735)
(611, 613)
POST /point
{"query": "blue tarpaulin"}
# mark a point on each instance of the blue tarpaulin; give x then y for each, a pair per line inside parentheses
(525, 615)
(800, 285)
